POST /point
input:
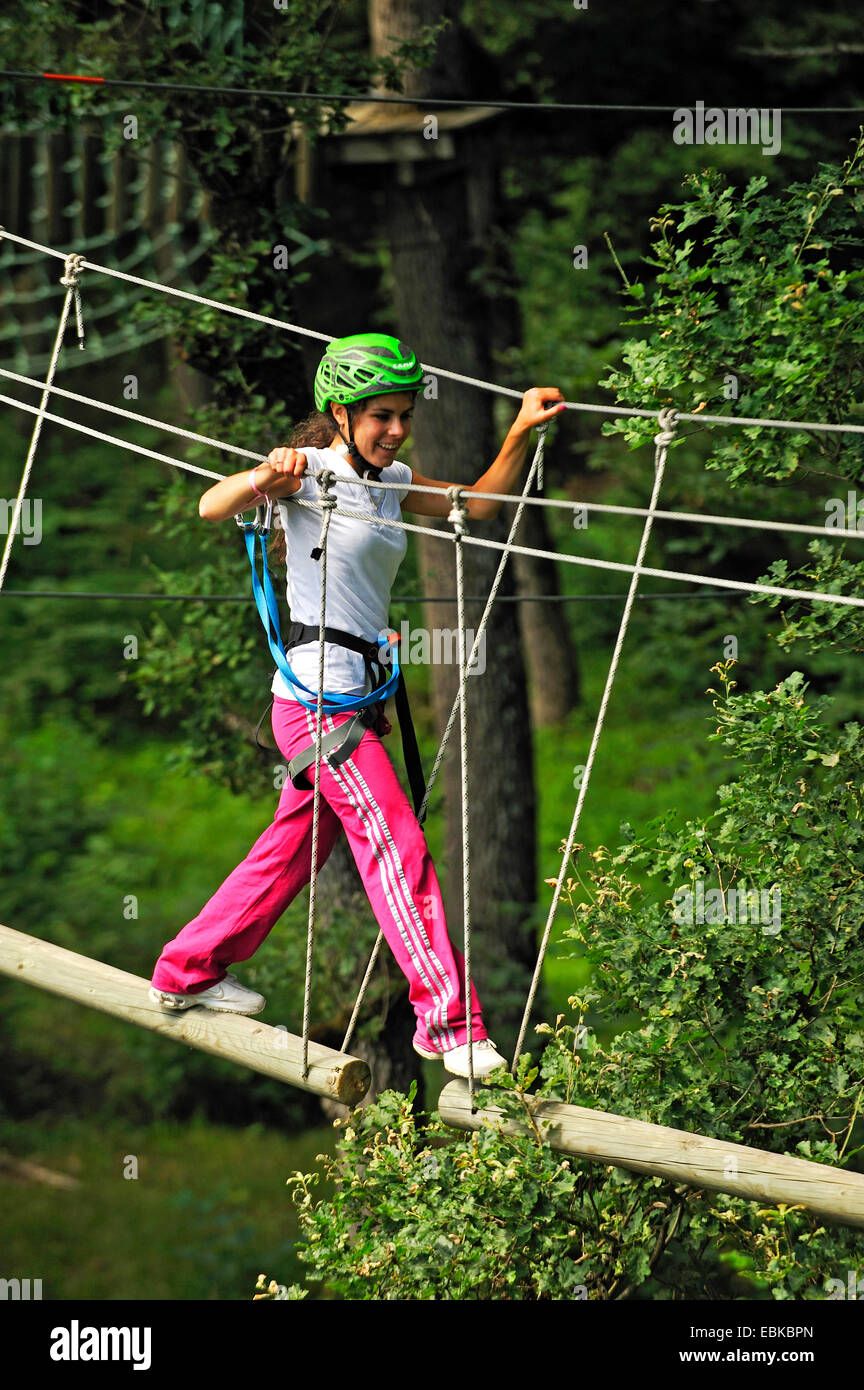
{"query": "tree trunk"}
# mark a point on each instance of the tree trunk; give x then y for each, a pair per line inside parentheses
(552, 660)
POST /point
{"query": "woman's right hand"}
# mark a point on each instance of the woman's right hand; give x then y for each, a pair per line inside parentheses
(289, 462)
(277, 476)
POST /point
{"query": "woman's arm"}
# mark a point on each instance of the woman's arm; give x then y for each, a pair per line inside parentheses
(279, 477)
(503, 474)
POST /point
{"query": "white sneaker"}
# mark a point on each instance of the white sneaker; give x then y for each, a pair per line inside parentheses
(486, 1058)
(228, 997)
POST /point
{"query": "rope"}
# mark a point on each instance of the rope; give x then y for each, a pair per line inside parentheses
(604, 508)
(624, 412)
(328, 504)
(422, 103)
(662, 441)
(746, 586)
(88, 594)
(69, 278)
(457, 518)
(139, 419)
(554, 502)
(536, 466)
(676, 575)
(111, 439)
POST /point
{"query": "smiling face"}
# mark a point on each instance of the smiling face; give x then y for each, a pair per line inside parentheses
(381, 426)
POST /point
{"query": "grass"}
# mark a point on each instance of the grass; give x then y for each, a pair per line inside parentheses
(207, 1213)
(649, 762)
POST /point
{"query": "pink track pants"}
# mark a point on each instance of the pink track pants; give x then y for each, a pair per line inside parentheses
(365, 797)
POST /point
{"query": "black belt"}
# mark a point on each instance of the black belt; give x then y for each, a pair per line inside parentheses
(340, 743)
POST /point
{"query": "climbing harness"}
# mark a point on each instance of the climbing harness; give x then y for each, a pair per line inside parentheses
(339, 744)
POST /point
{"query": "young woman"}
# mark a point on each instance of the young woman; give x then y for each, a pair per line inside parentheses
(364, 392)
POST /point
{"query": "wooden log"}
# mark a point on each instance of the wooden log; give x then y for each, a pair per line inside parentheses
(834, 1194)
(258, 1046)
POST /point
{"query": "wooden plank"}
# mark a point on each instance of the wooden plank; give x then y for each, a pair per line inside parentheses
(258, 1046)
(677, 1155)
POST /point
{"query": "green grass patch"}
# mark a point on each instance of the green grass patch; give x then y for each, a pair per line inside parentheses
(207, 1213)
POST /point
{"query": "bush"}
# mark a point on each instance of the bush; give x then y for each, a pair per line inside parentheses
(748, 1030)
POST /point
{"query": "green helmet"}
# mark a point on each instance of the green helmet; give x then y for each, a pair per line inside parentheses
(366, 364)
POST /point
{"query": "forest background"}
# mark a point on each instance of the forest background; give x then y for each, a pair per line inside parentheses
(538, 252)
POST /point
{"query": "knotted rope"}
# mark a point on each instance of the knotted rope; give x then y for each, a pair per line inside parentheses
(328, 503)
(69, 278)
(662, 440)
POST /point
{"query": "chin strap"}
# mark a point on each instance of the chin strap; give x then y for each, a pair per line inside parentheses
(364, 468)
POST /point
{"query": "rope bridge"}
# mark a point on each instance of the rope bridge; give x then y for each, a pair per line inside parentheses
(832, 1193)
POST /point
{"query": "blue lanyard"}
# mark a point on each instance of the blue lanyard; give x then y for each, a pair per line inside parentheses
(265, 602)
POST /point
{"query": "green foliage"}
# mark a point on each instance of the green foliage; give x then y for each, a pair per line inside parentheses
(832, 627)
(747, 1029)
(769, 291)
(417, 1215)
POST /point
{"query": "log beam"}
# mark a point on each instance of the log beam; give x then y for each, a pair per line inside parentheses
(258, 1046)
(834, 1194)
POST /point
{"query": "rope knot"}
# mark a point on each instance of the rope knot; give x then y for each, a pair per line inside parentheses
(458, 516)
(325, 481)
(668, 420)
(71, 270)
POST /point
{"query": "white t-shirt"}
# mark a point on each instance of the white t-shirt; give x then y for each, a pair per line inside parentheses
(362, 563)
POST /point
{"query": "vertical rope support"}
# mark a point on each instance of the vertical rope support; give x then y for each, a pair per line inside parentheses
(361, 993)
(458, 517)
(325, 482)
(535, 470)
(69, 278)
(662, 440)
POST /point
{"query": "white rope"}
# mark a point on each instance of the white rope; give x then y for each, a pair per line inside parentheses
(662, 440)
(745, 586)
(625, 412)
(111, 439)
(534, 471)
(677, 575)
(575, 506)
(328, 504)
(69, 278)
(698, 517)
(139, 419)
(457, 518)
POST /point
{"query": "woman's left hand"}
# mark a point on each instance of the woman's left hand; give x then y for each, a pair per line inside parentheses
(535, 409)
